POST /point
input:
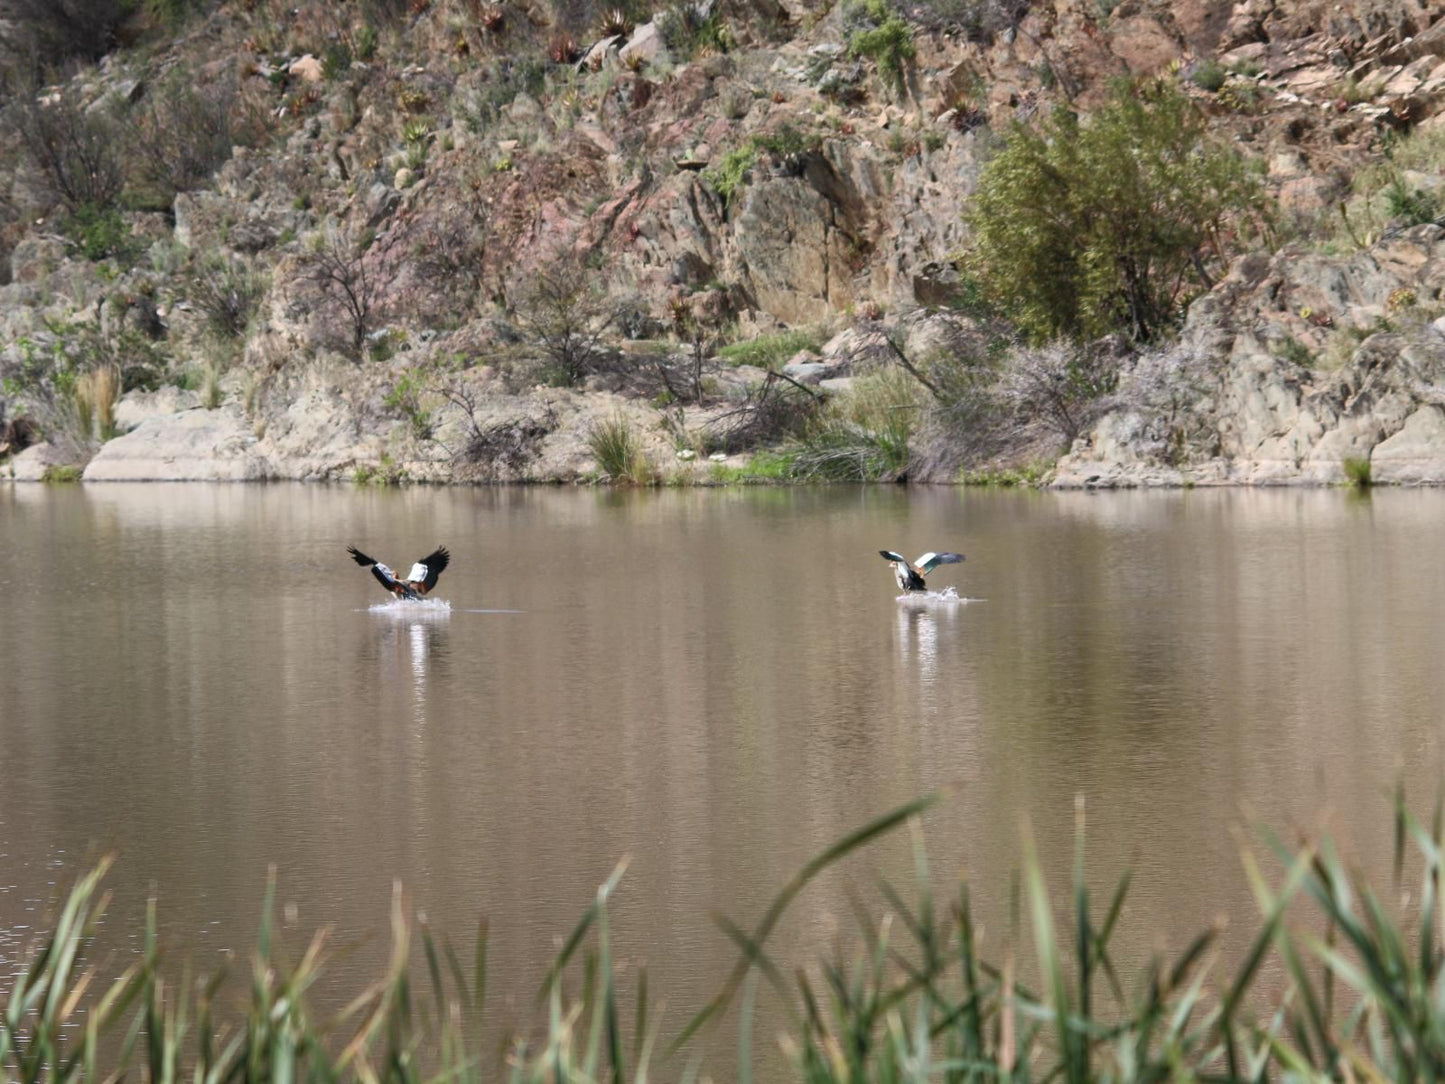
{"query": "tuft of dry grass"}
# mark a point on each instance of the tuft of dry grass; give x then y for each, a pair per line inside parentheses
(96, 394)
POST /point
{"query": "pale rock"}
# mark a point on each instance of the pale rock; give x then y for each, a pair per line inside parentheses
(596, 55)
(646, 45)
(138, 406)
(1287, 163)
(1143, 44)
(195, 445)
(32, 464)
(307, 68)
(1414, 455)
(807, 372)
(36, 257)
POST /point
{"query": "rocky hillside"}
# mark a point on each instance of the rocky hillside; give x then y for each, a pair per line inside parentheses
(724, 239)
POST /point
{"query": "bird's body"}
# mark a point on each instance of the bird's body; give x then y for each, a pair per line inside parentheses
(910, 575)
(420, 580)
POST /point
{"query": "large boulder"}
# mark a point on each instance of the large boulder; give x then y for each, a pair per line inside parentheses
(192, 446)
(1416, 453)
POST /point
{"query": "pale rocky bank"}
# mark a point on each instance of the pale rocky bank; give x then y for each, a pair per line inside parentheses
(1320, 347)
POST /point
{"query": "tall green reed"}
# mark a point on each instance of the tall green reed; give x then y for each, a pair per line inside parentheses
(914, 1000)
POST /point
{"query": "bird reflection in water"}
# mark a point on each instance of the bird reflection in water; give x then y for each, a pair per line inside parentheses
(919, 626)
(423, 637)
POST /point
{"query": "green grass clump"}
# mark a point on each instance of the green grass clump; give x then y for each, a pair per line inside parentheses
(61, 475)
(618, 451)
(864, 437)
(771, 351)
(727, 176)
(762, 469)
(1028, 476)
(386, 473)
(1357, 471)
(1295, 352)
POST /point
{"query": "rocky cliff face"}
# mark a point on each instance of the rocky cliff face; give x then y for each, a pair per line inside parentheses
(1312, 366)
(779, 184)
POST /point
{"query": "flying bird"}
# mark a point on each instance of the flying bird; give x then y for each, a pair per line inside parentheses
(910, 576)
(421, 579)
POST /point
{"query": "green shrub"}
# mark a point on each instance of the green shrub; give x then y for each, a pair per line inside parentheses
(172, 13)
(62, 475)
(337, 61)
(687, 34)
(367, 39)
(878, 32)
(1085, 229)
(1414, 205)
(504, 78)
(225, 291)
(406, 397)
(1210, 76)
(727, 176)
(102, 234)
(786, 140)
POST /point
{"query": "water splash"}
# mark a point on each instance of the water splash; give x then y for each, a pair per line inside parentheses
(413, 609)
(947, 597)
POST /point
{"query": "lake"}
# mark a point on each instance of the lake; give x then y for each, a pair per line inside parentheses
(714, 683)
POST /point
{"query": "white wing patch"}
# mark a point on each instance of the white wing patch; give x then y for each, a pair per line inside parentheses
(417, 573)
(383, 568)
(924, 559)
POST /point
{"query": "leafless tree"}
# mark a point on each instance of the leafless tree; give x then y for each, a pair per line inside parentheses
(565, 316)
(499, 447)
(347, 272)
(185, 131)
(1059, 388)
(447, 253)
(776, 408)
(77, 151)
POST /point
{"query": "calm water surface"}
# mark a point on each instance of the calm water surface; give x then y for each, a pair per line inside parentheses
(717, 684)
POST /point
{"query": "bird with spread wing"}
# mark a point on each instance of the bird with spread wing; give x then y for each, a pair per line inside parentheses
(910, 576)
(418, 582)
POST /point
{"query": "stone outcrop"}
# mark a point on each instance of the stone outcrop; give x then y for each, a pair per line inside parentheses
(1316, 363)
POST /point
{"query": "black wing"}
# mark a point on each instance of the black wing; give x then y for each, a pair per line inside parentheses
(435, 562)
(364, 561)
(889, 555)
